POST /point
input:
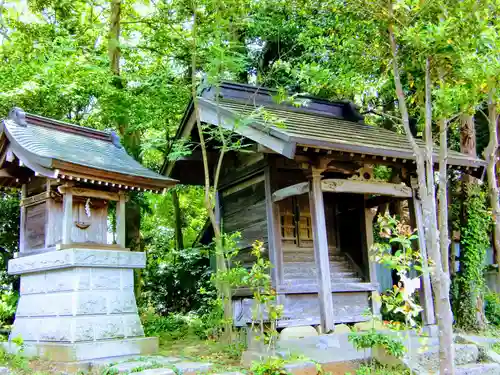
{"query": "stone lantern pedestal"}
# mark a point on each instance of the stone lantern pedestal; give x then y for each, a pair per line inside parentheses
(78, 304)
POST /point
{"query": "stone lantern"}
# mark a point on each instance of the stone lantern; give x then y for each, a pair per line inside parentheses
(77, 298)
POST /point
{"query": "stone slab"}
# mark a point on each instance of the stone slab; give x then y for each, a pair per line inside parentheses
(127, 367)
(88, 351)
(300, 332)
(478, 369)
(76, 258)
(324, 348)
(156, 371)
(192, 368)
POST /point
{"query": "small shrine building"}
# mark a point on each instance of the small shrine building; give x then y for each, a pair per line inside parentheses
(77, 298)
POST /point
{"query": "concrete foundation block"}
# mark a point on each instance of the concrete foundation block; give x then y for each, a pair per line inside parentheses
(88, 351)
(342, 328)
(79, 304)
(291, 333)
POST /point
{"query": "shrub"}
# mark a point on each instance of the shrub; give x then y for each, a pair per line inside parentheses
(492, 308)
(271, 366)
(374, 339)
(8, 304)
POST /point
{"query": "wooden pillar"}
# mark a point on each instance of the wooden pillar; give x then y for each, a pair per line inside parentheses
(321, 255)
(426, 300)
(273, 233)
(372, 266)
(67, 223)
(22, 221)
(120, 220)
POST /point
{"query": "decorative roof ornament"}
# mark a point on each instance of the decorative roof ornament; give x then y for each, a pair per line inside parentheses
(17, 115)
(115, 139)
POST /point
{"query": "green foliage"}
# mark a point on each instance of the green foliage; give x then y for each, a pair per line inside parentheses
(373, 339)
(179, 326)
(492, 308)
(469, 284)
(398, 253)
(496, 348)
(173, 278)
(9, 233)
(270, 366)
(8, 305)
(16, 362)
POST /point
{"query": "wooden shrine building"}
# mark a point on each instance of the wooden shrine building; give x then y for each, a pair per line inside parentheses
(303, 182)
(77, 299)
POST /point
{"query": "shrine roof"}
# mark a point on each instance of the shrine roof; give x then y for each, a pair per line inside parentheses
(61, 150)
(310, 123)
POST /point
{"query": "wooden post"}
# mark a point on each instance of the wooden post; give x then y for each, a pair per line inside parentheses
(275, 253)
(67, 216)
(120, 222)
(426, 300)
(372, 266)
(22, 221)
(321, 255)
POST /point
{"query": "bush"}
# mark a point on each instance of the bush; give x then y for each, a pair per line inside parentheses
(174, 326)
(271, 366)
(173, 280)
(8, 304)
(492, 308)
(178, 326)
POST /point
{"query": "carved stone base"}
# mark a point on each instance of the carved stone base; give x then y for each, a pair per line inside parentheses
(79, 304)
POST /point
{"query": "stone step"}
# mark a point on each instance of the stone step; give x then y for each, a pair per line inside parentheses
(192, 368)
(302, 266)
(290, 258)
(156, 371)
(478, 369)
(335, 277)
(158, 365)
(314, 281)
(429, 359)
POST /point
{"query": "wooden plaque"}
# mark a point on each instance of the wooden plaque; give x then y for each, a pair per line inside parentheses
(35, 226)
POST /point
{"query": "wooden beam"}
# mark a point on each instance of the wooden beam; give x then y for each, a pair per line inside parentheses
(22, 224)
(369, 214)
(243, 185)
(290, 191)
(120, 216)
(321, 254)
(366, 187)
(5, 173)
(228, 120)
(273, 232)
(347, 186)
(67, 223)
(90, 193)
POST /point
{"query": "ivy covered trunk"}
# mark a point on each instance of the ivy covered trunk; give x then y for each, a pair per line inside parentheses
(491, 155)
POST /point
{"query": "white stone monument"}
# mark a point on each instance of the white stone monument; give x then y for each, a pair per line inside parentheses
(77, 298)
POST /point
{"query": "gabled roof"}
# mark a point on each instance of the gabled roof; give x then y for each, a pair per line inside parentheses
(57, 149)
(318, 124)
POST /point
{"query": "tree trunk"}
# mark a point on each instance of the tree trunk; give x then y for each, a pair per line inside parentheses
(179, 241)
(223, 288)
(491, 155)
(130, 139)
(425, 176)
(444, 240)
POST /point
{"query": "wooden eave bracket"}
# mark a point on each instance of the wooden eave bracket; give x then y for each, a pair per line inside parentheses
(347, 186)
